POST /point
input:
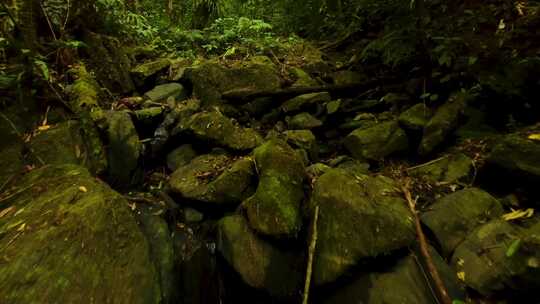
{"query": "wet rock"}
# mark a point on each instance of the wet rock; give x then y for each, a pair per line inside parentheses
(374, 143)
(275, 208)
(416, 117)
(316, 170)
(215, 127)
(347, 201)
(214, 179)
(124, 149)
(517, 154)
(162, 253)
(302, 102)
(170, 125)
(70, 238)
(500, 256)
(303, 121)
(180, 156)
(211, 79)
(443, 123)
(197, 267)
(260, 264)
(453, 217)
(448, 169)
(354, 166)
(192, 216)
(403, 282)
(162, 92)
(303, 139)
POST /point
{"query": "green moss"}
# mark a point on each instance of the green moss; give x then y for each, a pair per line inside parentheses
(70, 239)
(216, 127)
(374, 143)
(210, 179)
(345, 200)
(275, 207)
(259, 264)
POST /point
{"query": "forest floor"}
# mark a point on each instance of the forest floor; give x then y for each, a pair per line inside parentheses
(264, 179)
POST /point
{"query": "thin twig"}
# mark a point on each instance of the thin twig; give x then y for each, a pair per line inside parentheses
(311, 253)
(66, 20)
(428, 163)
(433, 272)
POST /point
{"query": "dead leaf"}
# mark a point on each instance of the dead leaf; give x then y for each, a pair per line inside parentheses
(44, 128)
(461, 275)
(535, 136)
(518, 214)
(21, 227)
(83, 189)
(6, 211)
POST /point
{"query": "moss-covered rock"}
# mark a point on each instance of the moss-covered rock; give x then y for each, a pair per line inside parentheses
(162, 92)
(216, 128)
(215, 179)
(360, 216)
(210, 79)
(110, 61)
(518, 154)
(69, 238)
(303, 121)
(180, 156)
(275, 208)
(416, 117)
(149, 69)
(260, 264)
(402, 282)
(303, 139)
(305, 101)
(374, 143)
(452, 217)
(443, 123)
(500, 256)
(124, 149)
(448, 169)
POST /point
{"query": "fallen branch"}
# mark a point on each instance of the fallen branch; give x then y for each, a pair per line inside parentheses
(246, 94)
(311, 253)
(434, 274)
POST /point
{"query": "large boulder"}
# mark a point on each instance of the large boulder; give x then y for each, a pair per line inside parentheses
(275, 207)
(443, 123)
(260, 264)
(500, 256)
(147, 71)
(378, 141)
(453, 217)
(67, 237)
(403, 282)
(416, 117)
(447, 169)
(215, 179)
(210, 79)
(518, 154)
(360, 217)
(216, 128)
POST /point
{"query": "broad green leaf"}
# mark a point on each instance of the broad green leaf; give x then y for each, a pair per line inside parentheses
(513, 248)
